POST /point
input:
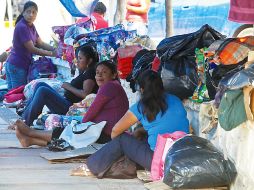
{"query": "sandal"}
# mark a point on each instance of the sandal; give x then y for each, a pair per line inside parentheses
(82, 170)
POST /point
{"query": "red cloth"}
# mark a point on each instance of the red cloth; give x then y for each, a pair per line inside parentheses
(156, 64)
(100, 22)
(242, 11)
(15, 94)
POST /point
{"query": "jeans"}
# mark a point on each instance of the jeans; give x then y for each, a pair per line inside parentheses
(125, 144)
(44, 95)
(15, 76)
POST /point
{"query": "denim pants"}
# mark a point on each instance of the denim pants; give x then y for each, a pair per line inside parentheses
(44, 95)
(125, 144)
(15, 76)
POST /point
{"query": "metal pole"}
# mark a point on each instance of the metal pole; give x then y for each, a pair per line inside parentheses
(10, 15)
(169, 18)
(120, 12)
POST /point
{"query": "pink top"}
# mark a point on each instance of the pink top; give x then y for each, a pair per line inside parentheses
(242, 11)
(110, 104)
(136, 17)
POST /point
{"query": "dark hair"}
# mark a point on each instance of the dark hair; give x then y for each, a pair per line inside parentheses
(27, 5)
(153, 98)
(111, 65)
(90, 53)
(100, 8)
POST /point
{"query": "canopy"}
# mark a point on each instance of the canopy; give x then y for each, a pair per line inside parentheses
(79, 8)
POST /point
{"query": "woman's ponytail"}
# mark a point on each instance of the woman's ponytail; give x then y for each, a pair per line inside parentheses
(18, 19)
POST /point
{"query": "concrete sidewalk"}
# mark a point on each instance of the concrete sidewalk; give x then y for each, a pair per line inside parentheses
(24, 169)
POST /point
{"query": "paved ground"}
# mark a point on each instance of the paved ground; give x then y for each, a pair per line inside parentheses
(23, 168)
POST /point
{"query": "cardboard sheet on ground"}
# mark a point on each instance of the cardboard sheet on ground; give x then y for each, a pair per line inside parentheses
(52, 156)
(162, 186)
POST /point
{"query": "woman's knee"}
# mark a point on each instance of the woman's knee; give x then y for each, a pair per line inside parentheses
(42, 92)
(40, 84)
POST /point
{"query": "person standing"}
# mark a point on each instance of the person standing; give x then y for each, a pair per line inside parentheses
(26, 42)
(137, 15)
(98, 13)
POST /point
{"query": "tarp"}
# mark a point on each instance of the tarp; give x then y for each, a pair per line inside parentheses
(79, 8)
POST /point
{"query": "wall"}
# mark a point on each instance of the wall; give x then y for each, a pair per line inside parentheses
(236, 144)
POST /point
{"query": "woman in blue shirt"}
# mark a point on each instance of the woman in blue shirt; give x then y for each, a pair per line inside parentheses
(157, 111)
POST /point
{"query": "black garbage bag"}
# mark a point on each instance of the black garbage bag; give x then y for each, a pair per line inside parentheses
(180, 77)
(177, 55)
(141, 62)
(193, 162)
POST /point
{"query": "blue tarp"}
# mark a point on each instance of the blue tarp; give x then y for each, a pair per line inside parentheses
(79, 8)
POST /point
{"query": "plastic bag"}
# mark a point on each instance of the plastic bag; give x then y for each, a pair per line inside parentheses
(180, 77)
(239, 79)
(124, 59)
(123, 168)
(193, 162)
(177, 56)
(163, 143)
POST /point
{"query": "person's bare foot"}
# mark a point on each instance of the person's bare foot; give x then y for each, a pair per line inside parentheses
(23, 128)
(11, 127)
(23, 139)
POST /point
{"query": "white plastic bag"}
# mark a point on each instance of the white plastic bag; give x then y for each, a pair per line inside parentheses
(83, 134)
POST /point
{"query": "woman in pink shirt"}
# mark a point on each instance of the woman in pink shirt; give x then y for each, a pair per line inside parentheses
(137, 15)
(110, 105)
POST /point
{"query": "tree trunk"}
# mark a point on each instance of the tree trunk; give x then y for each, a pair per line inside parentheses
(169, 18)
(120, 12)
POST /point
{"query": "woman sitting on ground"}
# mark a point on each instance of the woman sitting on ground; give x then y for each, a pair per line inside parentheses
(158, 112)
(75, 91)
(110, 104)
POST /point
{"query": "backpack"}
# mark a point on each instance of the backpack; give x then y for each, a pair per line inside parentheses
(40, 67)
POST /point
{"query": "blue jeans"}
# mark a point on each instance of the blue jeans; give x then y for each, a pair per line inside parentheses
(44, 95)
(125, 144)
(15, 76)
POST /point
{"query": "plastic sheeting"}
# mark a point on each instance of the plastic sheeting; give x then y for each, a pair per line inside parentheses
(177, 55)
(240, 79)
(79, 8)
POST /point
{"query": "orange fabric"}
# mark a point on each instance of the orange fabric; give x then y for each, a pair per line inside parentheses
(236, 50)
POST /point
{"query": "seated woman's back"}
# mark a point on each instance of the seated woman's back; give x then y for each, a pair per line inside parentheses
(173, 119)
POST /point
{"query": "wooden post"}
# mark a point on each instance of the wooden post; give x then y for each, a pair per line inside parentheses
(9, 10)
(169, 18)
